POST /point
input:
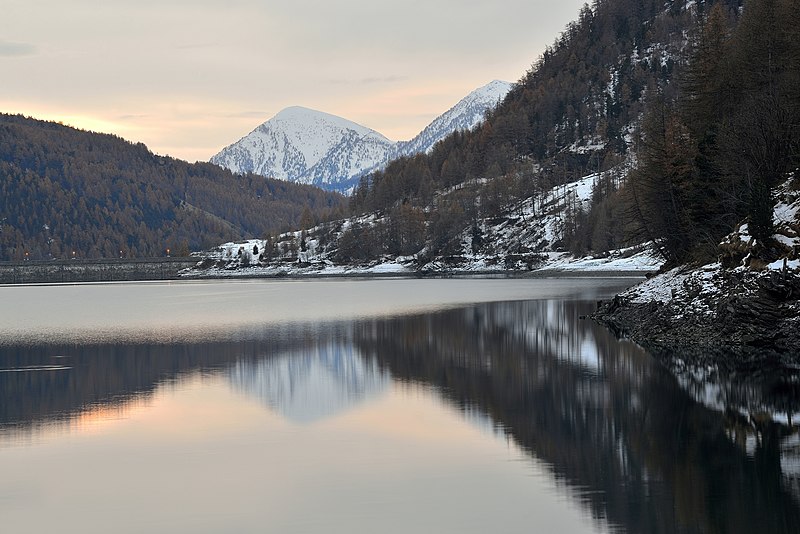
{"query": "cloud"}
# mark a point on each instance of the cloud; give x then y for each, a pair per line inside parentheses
(9, 49)
(197, 46)
(384, 79)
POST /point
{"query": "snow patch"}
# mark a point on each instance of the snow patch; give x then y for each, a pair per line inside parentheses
(523, 239)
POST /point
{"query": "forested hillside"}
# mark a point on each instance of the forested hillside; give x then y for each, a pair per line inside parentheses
(683, 117)
(65, 191)
(714, 155)
(700, 98)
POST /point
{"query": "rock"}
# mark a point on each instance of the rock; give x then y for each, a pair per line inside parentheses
(750, 320)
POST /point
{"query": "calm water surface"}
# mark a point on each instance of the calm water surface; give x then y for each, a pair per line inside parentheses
(372, 406)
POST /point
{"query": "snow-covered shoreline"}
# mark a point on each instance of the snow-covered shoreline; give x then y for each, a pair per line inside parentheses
(523, 240)
(737, 319)
(741, 313)
(622, 263)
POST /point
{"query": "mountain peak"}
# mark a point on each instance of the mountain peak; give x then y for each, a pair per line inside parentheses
(466, 114)
(303, 115)
(497, 84)
(304, 145)
(294, 111)
(298, 113)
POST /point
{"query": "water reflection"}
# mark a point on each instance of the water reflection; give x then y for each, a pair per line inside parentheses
(312, 384)
(639, 449)
(96, 377)
(604, 416)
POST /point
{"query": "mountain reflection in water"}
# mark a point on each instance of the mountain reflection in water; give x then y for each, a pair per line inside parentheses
(639, 449)
(312, 384)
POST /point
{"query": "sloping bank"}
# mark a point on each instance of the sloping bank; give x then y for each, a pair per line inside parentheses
(741, 315)
(737, 320)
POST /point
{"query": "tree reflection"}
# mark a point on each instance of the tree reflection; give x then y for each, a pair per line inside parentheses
(48, 383)
(605, 416)
(639, 448)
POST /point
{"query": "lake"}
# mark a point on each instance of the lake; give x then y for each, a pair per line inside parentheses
(394, 405)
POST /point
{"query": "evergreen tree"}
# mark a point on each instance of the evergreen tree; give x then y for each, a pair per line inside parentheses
(760, 137)
(660, 186)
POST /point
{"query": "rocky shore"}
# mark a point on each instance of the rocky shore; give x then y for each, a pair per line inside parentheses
(739, 321)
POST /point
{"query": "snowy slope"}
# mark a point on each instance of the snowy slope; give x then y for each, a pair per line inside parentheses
(311, 147)
(465, 115)
(306, 146)
(525, 236)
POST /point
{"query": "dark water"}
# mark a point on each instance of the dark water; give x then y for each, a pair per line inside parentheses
(432, 415)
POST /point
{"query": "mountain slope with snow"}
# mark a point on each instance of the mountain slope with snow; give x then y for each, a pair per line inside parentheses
(523, 236)
(465, 115)
(306, 146)
(311, 147)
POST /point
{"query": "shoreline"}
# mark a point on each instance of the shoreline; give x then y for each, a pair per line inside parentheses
(544, 273)
(735, 321)
(178, 277)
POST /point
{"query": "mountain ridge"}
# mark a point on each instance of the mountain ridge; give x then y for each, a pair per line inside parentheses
(73, 193)
(463, 116)
(313, 147)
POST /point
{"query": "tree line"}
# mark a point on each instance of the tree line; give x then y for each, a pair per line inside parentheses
(71, 193)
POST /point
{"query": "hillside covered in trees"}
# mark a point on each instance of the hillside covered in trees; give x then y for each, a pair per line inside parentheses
(65, 191)
(689, 109)
(715, 154)
(673, 127)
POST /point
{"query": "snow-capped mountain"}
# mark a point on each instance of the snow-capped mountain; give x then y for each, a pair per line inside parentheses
(307, 146)
(311, 147)
(469, 111)
(311, 384)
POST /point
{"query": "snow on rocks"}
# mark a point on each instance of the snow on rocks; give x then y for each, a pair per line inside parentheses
(633, 260)
(741, 313)
(782, 264)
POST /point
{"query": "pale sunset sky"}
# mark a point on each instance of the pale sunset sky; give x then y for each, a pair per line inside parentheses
(188, 77)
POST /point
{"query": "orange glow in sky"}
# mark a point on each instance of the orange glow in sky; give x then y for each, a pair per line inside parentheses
(189, 78)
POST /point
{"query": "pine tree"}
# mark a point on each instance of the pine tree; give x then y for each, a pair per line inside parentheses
(660, 186)
(704, 96)
(760, 134)
(704, 102)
